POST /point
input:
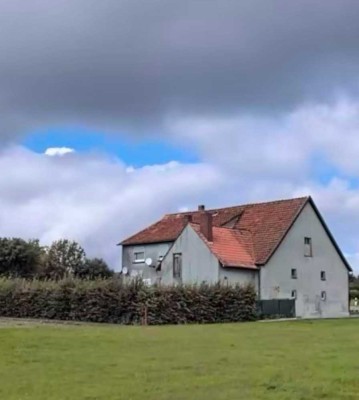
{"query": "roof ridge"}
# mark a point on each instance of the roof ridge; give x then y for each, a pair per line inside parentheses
(241, 205)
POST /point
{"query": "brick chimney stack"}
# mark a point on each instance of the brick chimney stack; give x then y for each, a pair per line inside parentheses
(187, 219)
(201, 207)
(206, 225)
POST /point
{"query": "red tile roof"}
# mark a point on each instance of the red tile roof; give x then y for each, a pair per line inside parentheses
(232, 247)
(266, 223)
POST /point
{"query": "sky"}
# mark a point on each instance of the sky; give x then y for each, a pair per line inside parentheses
(114, 113)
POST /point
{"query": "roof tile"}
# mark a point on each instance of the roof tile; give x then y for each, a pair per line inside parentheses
(265, 224)
(232, 247)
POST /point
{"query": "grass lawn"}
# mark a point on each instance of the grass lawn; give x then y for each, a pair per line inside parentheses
(273, 360)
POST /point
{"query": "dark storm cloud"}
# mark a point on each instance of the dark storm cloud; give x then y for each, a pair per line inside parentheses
(115, 64)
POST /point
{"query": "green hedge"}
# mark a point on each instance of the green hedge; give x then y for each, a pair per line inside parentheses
(112, 301)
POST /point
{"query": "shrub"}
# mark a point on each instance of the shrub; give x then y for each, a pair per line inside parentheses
(93, 268)
(112, 301)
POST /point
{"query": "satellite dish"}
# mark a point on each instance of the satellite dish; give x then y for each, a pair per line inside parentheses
(148, 262)
(125, 270)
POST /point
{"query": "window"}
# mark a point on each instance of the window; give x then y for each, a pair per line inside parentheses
(294, 294)
(322, 276)
(139, 256)
(308, 248)
(177, 265)
(324, 296)
(294, 273)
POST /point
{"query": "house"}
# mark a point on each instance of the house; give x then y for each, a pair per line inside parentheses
(283, 248)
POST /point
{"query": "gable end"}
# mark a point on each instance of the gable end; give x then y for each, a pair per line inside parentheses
(324, 225)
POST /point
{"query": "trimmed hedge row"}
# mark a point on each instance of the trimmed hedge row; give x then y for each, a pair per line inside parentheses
(111, 301)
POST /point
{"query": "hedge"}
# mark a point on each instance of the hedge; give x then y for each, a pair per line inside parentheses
(112, 301)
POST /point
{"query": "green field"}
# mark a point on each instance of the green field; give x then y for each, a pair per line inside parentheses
(264, 360)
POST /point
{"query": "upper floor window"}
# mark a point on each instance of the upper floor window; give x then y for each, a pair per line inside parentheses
(323, 296)
(308, 247)
(294, 273)
(139, 256)
(177, 265)
(323, 276)
(294, 294)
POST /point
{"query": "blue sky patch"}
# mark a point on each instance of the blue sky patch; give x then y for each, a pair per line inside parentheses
(138, 153)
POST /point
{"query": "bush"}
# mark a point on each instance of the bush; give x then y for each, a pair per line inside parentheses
(93, 268)
(112, 301)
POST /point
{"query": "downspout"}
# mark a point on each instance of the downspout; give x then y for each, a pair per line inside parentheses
(259, 283)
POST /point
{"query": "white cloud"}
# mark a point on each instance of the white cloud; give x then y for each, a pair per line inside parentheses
(99, 201)
(58, 151)
(283, 145)
(90, 198)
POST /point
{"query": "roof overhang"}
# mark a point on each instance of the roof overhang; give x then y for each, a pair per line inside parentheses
(145, 243)
(247, 267)
(325, 226)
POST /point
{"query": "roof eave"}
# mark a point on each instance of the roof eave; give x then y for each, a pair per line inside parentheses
(286, 232)
(325, 226)
(249, 267)
(146, 243)
(331, 237)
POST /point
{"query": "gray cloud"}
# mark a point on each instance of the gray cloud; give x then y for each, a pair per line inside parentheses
(130, 64)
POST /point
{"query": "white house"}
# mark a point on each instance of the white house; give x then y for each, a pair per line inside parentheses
(283, 248)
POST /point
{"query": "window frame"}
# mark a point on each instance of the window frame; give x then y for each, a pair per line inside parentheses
(308, 247)
(139, 260)
(177, 267)
(294, 273)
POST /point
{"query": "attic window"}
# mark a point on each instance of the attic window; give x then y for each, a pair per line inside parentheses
(308, 248)
(139, 257)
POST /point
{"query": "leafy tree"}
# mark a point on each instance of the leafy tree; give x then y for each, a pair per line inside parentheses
(93, 268)
(19, 257)
(64, 257)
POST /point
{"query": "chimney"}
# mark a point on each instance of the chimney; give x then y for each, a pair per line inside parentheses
(187, 218)
(206, 225)
(201, 207)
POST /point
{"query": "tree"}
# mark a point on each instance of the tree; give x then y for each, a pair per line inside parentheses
(64, 257)
(93, 268)
(20, 258)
